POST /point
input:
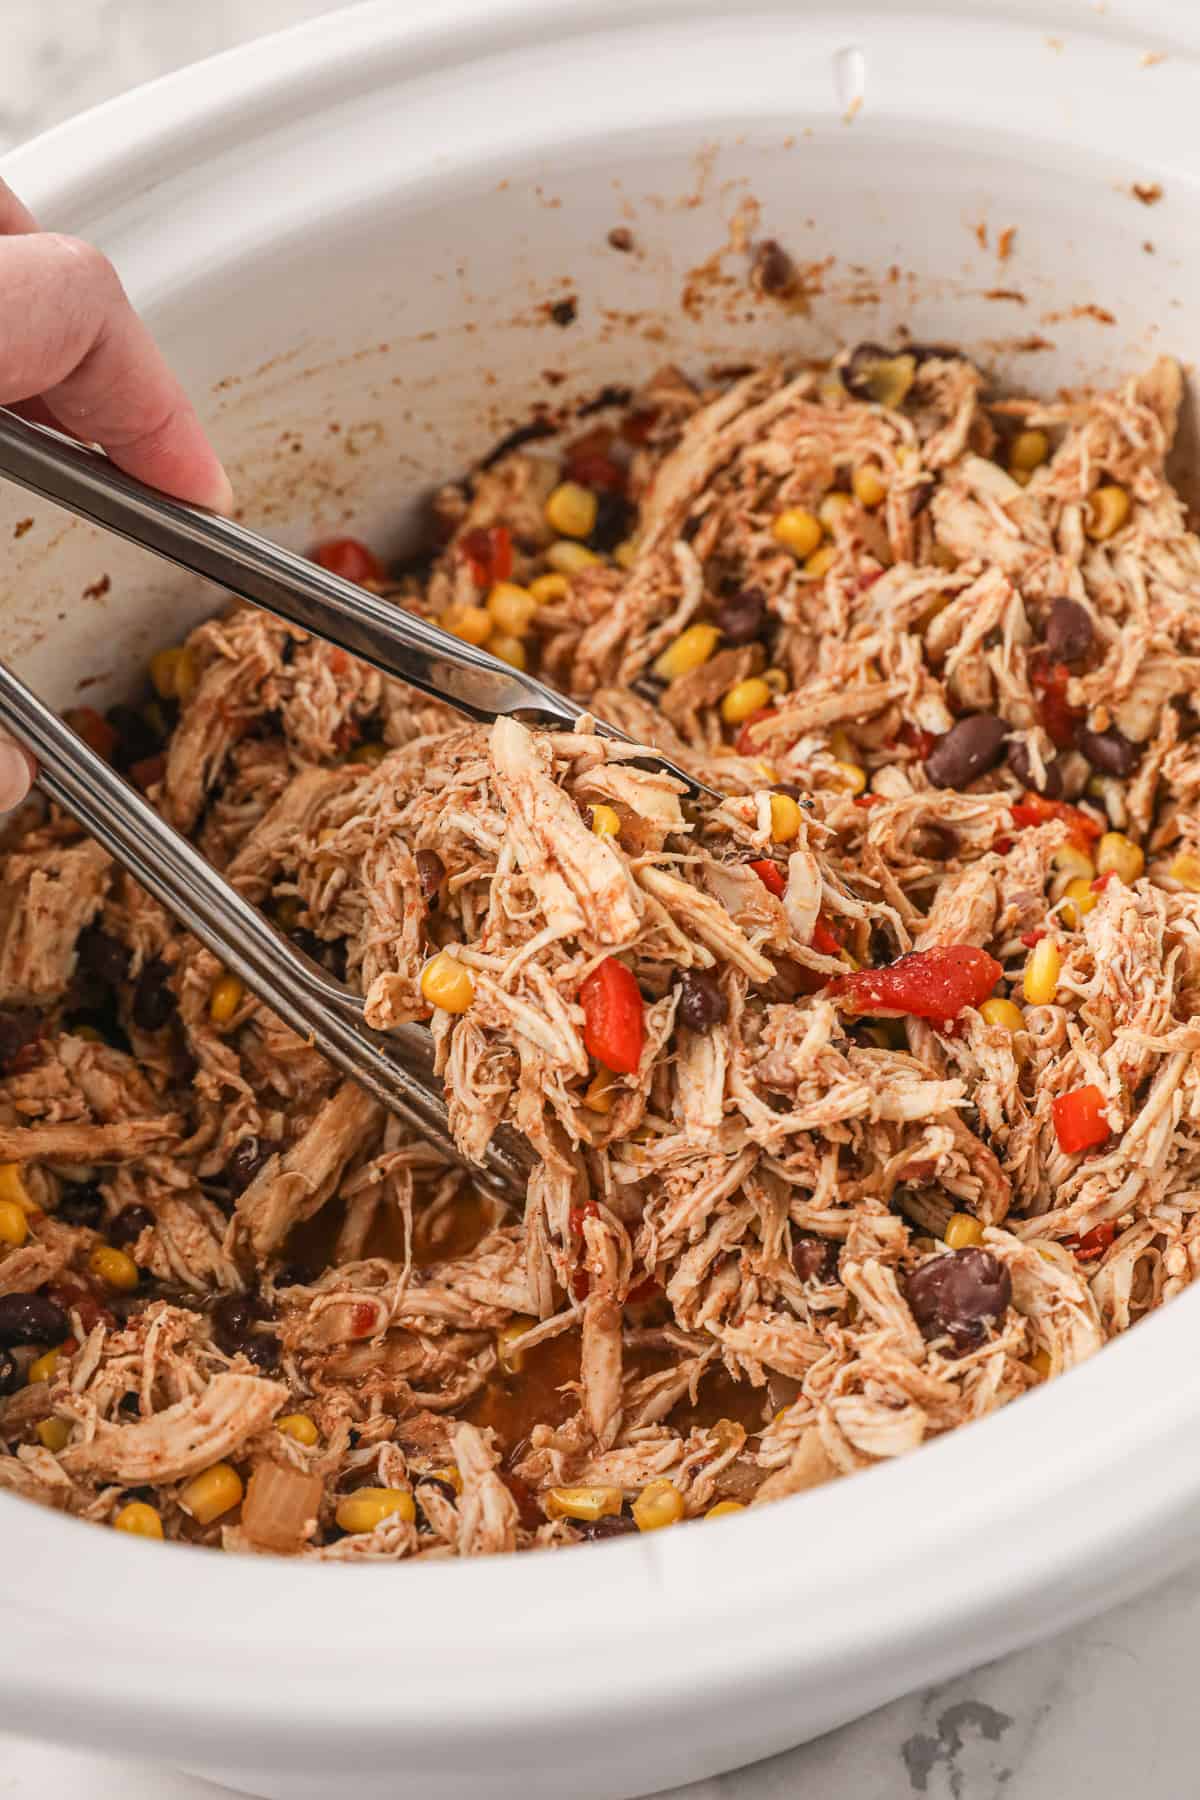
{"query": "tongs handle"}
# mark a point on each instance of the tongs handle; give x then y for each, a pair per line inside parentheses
(295, 988)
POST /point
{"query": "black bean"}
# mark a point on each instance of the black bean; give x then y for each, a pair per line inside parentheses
(740, 618)
(10, 1373)
(445, 1488)
(129, 1225)
(594, 1531)
(82, 1204)
(773, 271)
(1021, 764)
(102, 956)
(920, 494)
(19, 1025)
(969, 749)
(1069, 631)
(234, 1318)
(614, 517)
(814, 1258)
(701, 1002)
(1109, 751)
(431, 872)
(153, 1001)
(31, 1319)
(331, 956)
(922, 353)
(129, 1406)
(296, 1275)
(249, 1155)
(957, 1295)
(136, 740)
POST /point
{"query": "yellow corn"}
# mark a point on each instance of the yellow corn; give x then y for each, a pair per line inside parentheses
(1005, 1013)
(571, 510)
(88, 1033)
(1107, 511)
(659, 1503)
(225, 999)
(470, 623)
(213, 1492)
(447, 983)
(288, 912)
(43, 1367)
(1075, 863)
(606, 822)
(724, 1508)
(54, 1434)
(776, 680)
(510, 650)
(1022, 477)
(690, 649)
(139, 1520)
(172, 673)
(14, 1226)
(451, 1474)
(601, 1092)
(113, 1267)
(569, 558)
(1042, 970)
(743, 699)
(797, 530)
(508, 1340)
(12, 1186)
(1185, 869)
(870, 489)
(1079, 897)
(300, 1427)
(512, 608)
(625, 554)
(369, 1506)
(962, 1230)
(1029, 451)
(549, 587)
(1118, 855)
(1039, 1362)
(785, 819)
(851, 776)
(833, 509)
(372, 754)
(820, 562)
(584, 1502)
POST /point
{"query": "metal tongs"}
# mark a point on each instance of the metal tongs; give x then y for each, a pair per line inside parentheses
(396, 1067)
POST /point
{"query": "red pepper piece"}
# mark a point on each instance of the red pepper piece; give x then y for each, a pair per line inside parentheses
(1093, 1243)
(867, 801)
(771, 876)
(596, 472)
(614, 1021)
(364, 1318)
(349, 558)
(577, 1214)
(913, 738)
(1102, 881)
(488, 549)
(95, 730)
(581, 1284)
(824, 938)
(1059, 721)
(147, 773)
(928, 984)
(1034, 809)
(1031, 939)
(743, 743)
(1079, 1119)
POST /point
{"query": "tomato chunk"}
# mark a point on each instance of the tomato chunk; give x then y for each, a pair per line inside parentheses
(1093, 1243)
(744, 744)
(928, 984)
(614, 1022)
(488, 549)
(824, 938)
(349, 558)
(914, 738)
(771, 876)
(1058, 720)
(1035, 809)
(95, 731)
(1080, 1122)
(148, 772)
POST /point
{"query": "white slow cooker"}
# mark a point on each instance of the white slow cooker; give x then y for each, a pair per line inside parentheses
(350, 239)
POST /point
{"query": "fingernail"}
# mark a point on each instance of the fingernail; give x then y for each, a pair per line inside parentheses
(221, 500)
(15, 776)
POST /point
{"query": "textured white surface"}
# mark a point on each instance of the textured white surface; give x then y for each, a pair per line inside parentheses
(1106, 1710)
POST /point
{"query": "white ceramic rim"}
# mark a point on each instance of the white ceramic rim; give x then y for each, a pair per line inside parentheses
(1048, 1493)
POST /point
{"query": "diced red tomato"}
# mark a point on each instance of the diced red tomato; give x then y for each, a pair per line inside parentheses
(1059, 721)
(913, 738)
(867, 801)
(824, 938)
(147, 773)
(581, 1284)
(349, 558)
(577, 1214)
(1095, 1242)
(488, 549)
(614, 1019)
(1080, 1122)
(636, 427)
(743, 743)
(94, 729)
(1031, 939)
(771, 876)
(363, 1318)
(928, 984)
(1102, 881)
(529, 1514)
(645, 1290)
(346, 735)
(590, 462)
(73, 1297)
(1034, 809)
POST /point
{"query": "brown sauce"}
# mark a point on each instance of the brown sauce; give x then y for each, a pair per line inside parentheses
(512, 1404)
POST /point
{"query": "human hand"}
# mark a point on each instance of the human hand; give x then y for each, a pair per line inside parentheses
(74, 354)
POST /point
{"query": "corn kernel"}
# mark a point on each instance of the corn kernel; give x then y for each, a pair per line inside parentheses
(606, 821)
(571, 510)
(371, 754)
(833, 510)
(213, 1492)
(1185, 869)
(88, 1033)
(776, 680)
(12, 1186)
(14, 1226)
(549, 587)
(744, 698)
(451, 1474)
(690, 650)
(797, 530)
(1042, 970)
(369, 1506)
(447, 983)
(300, 1427)
(114, 1268)
(820, 562)
(585, 1503)
(43, 1367)
(724, 1508)
(785, 819)
(1029, 451)
(870, 489)
(1107, 511)
(851, 777)
(225, 999)
(601, 1092)
(962, 1230)
(1022, 477)
(1039, 1362)
(625, 554)
(510, 650)
(139, 1519)
(1005, 1013)
(1071, 861)
(508, 1340)
(512, 608)
(569, 558)
(659, 1503)
(1079, 897)
(172, 673)
(1118, 855)
(54, 1434)
(470, 623)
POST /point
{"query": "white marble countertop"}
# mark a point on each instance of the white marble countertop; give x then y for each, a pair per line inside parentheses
(1106, 1710)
